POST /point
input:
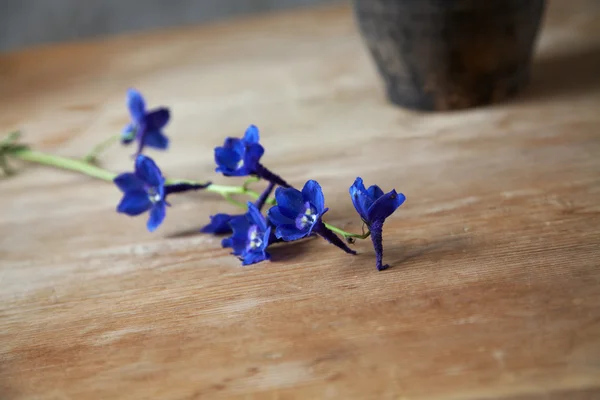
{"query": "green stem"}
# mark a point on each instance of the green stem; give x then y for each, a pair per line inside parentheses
(348, 235)
(88, 169)
(99, 148)
(64, 163)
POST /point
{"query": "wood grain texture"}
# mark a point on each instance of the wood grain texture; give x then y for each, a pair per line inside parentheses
(493, 290)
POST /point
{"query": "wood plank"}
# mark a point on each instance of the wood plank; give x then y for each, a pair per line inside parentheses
(493, 287)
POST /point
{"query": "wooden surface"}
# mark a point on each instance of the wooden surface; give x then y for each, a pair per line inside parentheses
(493, 290)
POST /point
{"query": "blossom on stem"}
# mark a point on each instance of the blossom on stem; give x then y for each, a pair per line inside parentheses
(250, 237)
(298, 214)
(241, 157)
(145, 126)
(374, 207)
(219, 223)
(145, 190)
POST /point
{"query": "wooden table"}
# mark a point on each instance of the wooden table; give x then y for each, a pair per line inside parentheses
(493, 290)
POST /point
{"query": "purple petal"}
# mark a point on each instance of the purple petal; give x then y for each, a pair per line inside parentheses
(289, 201)
(253, 258)
(147, 170)
(289, 233)
(251, 135)
(129, 182)
(385, 206)
(136, 105)
(256, 218)
(156, 139)
(313, 193)
(252, 155)
(227, 159)
(134, 203)
(128, 133)
(277, 218)
(374, 192)
(219, 225)
(360, 198)
(157, 119)
(157, 216)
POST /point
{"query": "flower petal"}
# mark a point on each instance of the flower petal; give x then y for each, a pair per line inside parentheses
(157, 139)
(252, 155)
(134, 203)
(360, 198)
(313, 193)
(374, 192)
(251, 135)
(266, 238)
(219, 224)
(289, 201)
(255, 257)
(256, 218)
(157, 216)
(237, 241)
(129, 182)
(128, 133)
(289, 233)
(147, 170)
(277, 218)
(136, 105)
(229, 156)
(157, 119)
(385, 206)
(226, 243)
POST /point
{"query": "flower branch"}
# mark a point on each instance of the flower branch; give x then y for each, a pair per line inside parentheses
(293, 214)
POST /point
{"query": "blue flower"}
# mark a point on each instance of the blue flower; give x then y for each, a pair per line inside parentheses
(145, 126)
(298, 214)
(144, 190)
(241, 157)
(374, 207)
(219, 224)
(250, 236)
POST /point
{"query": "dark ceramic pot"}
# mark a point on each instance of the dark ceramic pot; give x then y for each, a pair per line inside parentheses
(450, 54)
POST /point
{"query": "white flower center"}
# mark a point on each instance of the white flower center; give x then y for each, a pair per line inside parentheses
(309, 218)
(153, 195)
(255, 241)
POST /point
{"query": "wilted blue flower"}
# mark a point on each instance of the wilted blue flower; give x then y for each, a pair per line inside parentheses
(145, 126)
(298, 214)
(219, 224)
(250, 236)
(241, 157)
(144, 190)
(374, 207)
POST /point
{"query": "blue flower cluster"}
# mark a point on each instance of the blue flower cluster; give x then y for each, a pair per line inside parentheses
(294, 214)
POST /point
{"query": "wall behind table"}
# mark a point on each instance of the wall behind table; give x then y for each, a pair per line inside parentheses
(25, 23)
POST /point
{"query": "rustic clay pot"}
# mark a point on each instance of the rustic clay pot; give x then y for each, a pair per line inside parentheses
(450, 54)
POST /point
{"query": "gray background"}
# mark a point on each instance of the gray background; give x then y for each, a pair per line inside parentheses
(24, 23)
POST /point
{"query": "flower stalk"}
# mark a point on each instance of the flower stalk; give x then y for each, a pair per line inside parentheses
(86, 168)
